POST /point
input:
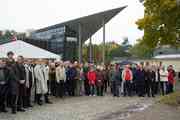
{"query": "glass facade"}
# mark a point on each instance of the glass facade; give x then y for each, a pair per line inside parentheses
(61, 40)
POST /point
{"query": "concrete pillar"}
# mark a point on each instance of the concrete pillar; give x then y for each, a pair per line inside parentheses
(90, 50)
(80, 44)
(104, 41)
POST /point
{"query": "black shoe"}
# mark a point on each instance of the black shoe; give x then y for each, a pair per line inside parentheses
(4, 111)
(21, 110)
(48, 102)
(40, 103)
(13, 112)
(30, 106)
(25, 107)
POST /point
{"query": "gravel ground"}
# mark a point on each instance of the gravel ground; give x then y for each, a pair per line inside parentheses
(81, 108)
(98, 108)
(157, 112)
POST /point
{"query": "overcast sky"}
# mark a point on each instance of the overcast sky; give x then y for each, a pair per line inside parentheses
(21, 15)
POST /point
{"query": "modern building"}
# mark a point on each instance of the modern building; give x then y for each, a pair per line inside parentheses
(66, 38)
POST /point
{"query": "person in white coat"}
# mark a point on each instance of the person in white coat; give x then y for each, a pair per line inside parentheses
(29, 83)
(60, 79)
(163, 80)
(41, 74)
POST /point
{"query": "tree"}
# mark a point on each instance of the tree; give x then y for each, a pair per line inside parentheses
(112, 50)
(141, 50)
(6, 37)
(161, 23)
(97, 50)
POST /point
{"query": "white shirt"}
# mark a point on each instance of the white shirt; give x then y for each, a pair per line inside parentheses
(163, 75)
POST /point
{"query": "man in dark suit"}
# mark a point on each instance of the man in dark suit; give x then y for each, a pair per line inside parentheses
(21, 76)
(13, 82)
(3, 85)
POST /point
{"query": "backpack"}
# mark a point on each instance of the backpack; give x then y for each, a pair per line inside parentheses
(127, 75)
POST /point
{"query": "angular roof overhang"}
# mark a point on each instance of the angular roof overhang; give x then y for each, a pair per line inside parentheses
(89, 24)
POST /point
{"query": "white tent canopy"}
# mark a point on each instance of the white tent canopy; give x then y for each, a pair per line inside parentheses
(170, 56)
(26, 50)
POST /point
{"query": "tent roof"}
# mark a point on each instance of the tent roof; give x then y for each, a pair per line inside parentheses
(25, 49)
(90, 24)
(170, 56)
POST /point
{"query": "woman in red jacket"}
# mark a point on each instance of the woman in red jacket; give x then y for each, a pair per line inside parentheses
(91, 75)
(171, 79)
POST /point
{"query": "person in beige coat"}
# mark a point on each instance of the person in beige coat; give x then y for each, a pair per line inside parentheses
(163, 80)
(60, 79)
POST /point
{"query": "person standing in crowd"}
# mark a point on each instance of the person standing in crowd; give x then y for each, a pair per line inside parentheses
(86, 82)
(118, 80)
(163, 80)
(91, 75)
(77, 79)
(52, 79)
(99, 81)
(71, 76)
(148, 80)
(45, 66)
(13, 82)
(140, 80)
(134, 89)
(82, 79)
(171, 79)
(106, 77)
(127, 77)
(29, 83)
(41, 82)
(21, 76)
(60, 79)
(151, 89)
(157, 81)
(66, 84)
(112, 78)
(3, 85)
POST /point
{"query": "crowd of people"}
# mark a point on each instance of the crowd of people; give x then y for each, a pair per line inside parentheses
(24, 82)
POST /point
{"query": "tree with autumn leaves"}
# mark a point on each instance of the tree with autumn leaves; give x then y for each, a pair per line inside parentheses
(113, 50)
(161, 23)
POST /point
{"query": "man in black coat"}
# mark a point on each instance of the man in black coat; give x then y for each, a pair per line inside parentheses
(21, 76)
(118, 80)
(150, 77)
(13, 82)
(140, 80)
(3, 85)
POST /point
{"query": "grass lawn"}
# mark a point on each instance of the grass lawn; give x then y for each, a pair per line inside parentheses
(171, 99)
(174, 98)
